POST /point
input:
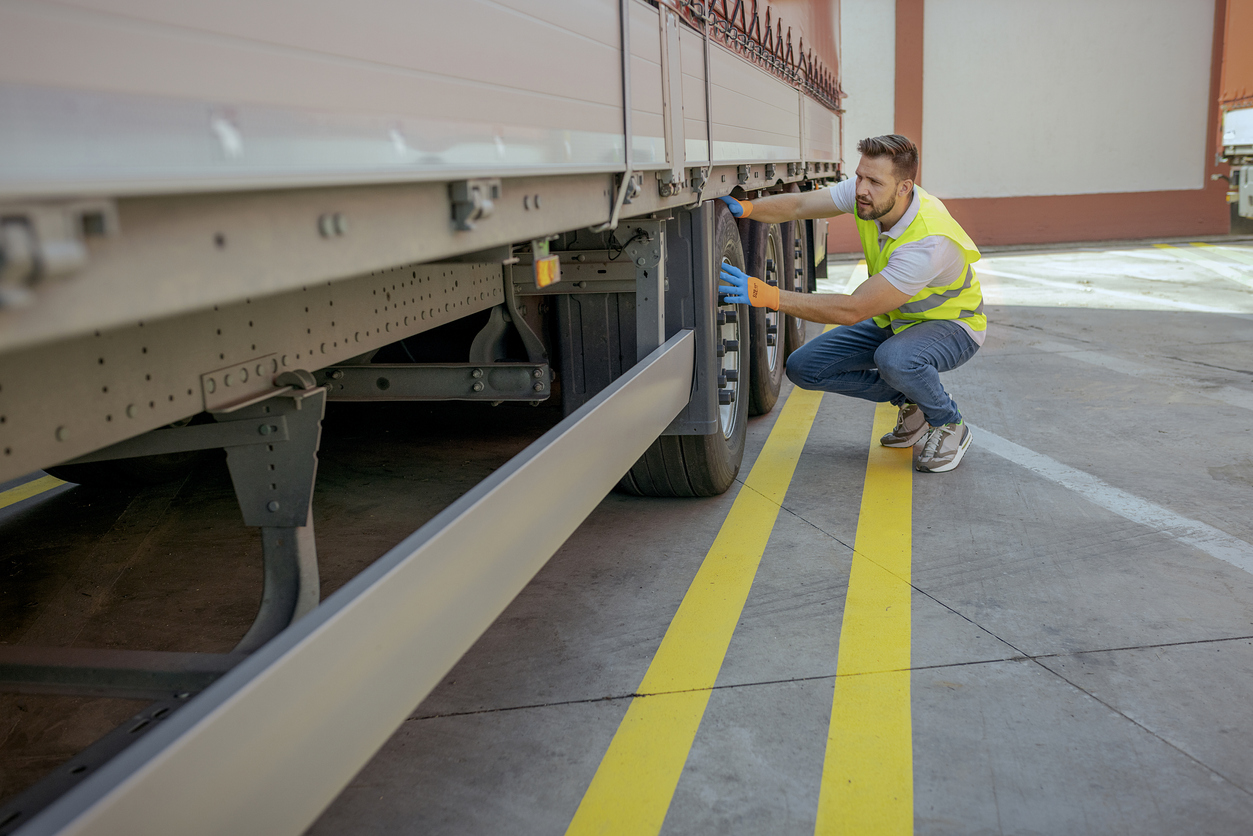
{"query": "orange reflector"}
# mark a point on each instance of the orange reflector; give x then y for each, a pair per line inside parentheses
(547, 270)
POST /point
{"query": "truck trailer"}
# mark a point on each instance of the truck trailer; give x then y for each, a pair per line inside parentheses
(1235, 103)
(215, 218)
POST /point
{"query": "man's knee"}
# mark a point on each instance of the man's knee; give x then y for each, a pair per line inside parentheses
(796, 371)
(891, 361)
(790, 369)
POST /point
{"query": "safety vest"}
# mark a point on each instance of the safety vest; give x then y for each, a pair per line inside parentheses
(963, 299)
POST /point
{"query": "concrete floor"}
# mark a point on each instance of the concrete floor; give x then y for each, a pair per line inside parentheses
(1074, 671)
(1082, 601)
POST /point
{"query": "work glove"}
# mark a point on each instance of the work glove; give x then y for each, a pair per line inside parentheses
(739, 208)
(747, 290)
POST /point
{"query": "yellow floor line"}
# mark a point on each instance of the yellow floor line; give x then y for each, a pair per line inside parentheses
(1227, 252)
(1224, 269)
(868, 773)
(635, 782)
(29, 489)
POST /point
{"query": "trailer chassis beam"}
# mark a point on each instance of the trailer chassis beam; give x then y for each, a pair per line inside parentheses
(493, 382)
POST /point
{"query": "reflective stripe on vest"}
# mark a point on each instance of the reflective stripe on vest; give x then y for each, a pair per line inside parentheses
(962, 299)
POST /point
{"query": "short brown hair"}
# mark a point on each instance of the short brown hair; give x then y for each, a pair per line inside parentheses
(903, 152)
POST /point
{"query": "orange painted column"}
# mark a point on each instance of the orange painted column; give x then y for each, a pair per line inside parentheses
(908, 116)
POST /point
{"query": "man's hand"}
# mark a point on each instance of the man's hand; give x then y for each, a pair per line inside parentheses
(739, 208)
(743, 289)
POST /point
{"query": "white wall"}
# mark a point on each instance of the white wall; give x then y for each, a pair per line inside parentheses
(1063, 96)
(868, 65)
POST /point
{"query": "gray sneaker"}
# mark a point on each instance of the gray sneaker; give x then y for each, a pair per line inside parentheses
(910, 425)
(942, 448)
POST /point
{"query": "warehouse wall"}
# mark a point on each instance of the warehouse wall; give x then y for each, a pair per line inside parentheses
(1110, 93)
(867, 67)
(1042, 122)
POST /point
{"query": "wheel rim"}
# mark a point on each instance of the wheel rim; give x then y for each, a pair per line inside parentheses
(728, 329)
(772, 317)
(798, 251)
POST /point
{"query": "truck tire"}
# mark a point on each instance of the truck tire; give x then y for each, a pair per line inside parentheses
(706, 465)
(794, 270)
(763, 250)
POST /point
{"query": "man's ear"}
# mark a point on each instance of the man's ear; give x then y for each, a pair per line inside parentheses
(904, 187)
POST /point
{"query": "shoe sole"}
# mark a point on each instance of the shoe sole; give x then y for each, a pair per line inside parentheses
(944, 468)
(910, 441)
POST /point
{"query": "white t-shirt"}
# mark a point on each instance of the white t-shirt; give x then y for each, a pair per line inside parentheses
(933, 261)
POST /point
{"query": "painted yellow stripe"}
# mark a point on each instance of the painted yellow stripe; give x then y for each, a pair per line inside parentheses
(1224, 269)
(635, 782)
(29, 489)
(868, 774)
(1242, 255)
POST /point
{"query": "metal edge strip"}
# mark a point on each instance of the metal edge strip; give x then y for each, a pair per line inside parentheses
(268, 746)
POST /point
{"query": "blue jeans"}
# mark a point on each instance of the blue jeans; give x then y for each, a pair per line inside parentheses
(869, 362)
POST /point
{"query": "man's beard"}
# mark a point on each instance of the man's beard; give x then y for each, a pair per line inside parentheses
(873, 213)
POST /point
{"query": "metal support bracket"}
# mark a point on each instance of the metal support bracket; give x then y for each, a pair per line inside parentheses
(42, 241)
(274, 486)
(670, 183)
(535, 351)
(271, 450)
(233, 433)
(489, 344)
(440, 382)
(473, 200)
(586, 271)
(647, 251)
(274, 480)
(698, 178)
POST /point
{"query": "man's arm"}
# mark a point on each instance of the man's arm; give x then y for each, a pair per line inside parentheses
(780, 208)
(873, 297)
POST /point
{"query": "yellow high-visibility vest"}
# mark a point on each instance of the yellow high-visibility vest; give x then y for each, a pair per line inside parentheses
(963, 299)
